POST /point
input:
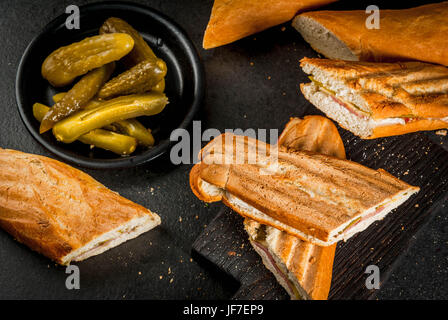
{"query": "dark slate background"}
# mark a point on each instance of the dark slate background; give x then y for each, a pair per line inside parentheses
(252, 83)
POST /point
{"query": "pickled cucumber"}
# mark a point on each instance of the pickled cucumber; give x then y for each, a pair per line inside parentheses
(77, 97)
(160, 87)
(134, 128)
(90, 105)
(139, 79)
(141, 51)
(63, 65)
(115, 142)
(130, 127)
(108, 112)
(58, 96)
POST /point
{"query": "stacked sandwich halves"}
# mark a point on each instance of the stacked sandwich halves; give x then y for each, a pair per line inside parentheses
(298, 203)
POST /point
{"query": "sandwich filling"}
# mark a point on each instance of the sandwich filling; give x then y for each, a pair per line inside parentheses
(367, 116)
(258, 239)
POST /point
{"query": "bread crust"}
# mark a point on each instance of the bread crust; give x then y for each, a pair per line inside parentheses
(196, 186)
(313, 133)
(54, 208)
(232, 20)
(414, 126)
(409, 34)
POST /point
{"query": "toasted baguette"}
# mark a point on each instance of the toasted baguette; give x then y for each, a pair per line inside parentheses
(235, 19)
(303, 269)
(62, 212)
(384, 93)
(311, 196)
(410, 34)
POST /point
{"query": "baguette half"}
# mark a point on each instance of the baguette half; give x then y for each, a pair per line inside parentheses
(409, 34)
(62, 212)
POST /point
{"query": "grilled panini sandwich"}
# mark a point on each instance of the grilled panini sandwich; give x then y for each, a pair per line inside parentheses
(62, 212)
(379, 99)
(318, 198)
(302, 268)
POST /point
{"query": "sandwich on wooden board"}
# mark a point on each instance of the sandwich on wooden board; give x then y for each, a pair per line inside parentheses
(374, 99)
(408, 34)
(232, 20)
(302, 268)
(318, 198)
(62, 212)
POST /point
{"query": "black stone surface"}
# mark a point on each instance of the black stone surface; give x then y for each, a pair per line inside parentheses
(252, 83)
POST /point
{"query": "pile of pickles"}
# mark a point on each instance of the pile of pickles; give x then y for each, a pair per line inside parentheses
(97, 110)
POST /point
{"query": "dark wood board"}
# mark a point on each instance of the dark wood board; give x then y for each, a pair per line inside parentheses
(415, 160)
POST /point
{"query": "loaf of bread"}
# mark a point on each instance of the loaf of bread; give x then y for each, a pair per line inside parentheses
(411, 34)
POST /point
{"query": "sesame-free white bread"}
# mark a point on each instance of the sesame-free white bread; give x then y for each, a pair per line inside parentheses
(404, 35)
(62, 212)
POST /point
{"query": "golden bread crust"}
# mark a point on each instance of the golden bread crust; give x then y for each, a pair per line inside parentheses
(409, 34)
(232, 20)
(54, 208)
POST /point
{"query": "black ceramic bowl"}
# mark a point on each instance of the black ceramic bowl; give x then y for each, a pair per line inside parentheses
(184, 80)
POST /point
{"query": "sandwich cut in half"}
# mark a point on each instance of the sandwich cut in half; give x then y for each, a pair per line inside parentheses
(318, 198)
(375, 100)
(62, 212)
(302, 268)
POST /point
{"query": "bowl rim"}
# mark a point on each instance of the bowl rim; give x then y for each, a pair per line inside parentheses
(146, 156)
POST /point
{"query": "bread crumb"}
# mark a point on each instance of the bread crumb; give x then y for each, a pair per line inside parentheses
(171, 280)
(231, 253)
(283, 28)
(441, 132)
(251, 63)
